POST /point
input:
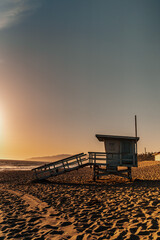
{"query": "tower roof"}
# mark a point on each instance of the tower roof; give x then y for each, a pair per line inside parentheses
(111, 137)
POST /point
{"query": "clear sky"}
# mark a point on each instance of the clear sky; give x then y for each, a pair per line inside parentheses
(72, 69)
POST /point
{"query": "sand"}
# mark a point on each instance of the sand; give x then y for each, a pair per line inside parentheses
(72, 206)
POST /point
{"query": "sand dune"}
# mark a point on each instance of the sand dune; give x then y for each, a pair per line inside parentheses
(72, 206)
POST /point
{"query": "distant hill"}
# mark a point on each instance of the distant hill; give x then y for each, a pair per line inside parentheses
(49, 158)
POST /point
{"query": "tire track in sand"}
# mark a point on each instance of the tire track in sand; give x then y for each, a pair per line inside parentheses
(24, 216)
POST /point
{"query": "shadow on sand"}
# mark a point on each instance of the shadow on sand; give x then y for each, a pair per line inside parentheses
(103, 183)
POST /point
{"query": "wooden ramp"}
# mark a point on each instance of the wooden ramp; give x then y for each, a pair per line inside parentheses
(61, 166)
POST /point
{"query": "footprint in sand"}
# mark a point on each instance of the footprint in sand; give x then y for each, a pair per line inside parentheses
(24, 216)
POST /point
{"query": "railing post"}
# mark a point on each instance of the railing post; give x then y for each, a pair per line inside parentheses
(67, 164)
(80, 159)
(94, 158)
(106, 160)
(90, 159)
(63, 165)
(94, 166)
(77, 161)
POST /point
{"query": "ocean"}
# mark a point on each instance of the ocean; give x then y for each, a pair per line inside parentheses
(18, 165)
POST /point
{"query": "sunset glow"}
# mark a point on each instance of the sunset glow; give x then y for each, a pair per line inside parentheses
(72, 70)
(1, 125)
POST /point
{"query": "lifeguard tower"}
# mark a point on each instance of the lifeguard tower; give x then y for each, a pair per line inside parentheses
(120, 151)
(119, 157)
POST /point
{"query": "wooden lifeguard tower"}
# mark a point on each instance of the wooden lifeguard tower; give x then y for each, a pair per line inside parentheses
(119, 157)
(120, 151)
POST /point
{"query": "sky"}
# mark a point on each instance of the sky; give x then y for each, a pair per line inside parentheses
(73, 69)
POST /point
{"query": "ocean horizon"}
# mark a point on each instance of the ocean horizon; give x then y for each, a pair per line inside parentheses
(18, 165)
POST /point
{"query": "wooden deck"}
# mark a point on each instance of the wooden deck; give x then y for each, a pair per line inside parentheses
(107, 163)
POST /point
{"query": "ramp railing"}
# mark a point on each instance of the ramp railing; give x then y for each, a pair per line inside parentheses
(112, 159)
(61, 166)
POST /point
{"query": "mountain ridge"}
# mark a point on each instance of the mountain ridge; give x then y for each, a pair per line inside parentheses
(49, 158)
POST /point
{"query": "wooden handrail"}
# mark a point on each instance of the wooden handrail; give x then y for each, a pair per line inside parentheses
(61, 161)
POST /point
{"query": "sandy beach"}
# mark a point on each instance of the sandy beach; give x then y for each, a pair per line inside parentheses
(72, 206)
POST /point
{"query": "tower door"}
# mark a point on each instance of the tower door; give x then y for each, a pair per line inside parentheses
(126, 150)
